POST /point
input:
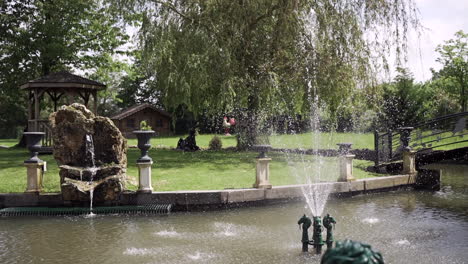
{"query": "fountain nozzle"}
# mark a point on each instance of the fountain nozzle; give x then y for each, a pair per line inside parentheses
(306, 223)
(329, 223)
(317, 235)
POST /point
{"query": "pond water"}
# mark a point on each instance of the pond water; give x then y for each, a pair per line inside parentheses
(405, 226)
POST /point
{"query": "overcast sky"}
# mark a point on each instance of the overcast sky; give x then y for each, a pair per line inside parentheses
(442, 18)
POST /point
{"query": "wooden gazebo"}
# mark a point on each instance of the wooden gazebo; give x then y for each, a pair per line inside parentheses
(57, 85)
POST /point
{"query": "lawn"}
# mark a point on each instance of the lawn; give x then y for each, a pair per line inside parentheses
(176, 170)
(8, 142)
(305, 140)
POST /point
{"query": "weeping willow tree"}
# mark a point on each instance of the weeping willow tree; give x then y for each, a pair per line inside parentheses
(267, 57)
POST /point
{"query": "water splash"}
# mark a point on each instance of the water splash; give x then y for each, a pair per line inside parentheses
(225, 229)
(168, 233)
(370, 220)
(89, 147)
(200, 256)
(403, 242)
(91, 194)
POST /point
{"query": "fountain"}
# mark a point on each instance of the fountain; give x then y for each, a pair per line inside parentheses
(317, 240)
(91, 154)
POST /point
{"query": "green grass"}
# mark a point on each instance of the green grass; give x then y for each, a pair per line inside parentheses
(323, 140)
(305, 140)
(176, 170)
(8, 142)
(202, 141)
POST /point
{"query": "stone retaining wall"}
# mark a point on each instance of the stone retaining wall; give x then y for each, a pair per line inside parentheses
(194, 200)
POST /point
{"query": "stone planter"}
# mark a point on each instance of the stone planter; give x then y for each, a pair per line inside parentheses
(405, 137)
(263, 149)
(33, 140)
(344, 148)
(144, 138)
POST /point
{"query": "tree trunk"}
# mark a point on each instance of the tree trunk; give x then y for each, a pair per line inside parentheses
(248, 125)
(247, 128)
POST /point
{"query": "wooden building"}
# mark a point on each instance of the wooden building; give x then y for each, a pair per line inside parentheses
(129, 120)
(62, 87)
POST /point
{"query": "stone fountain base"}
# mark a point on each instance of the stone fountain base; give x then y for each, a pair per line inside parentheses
(106, 182)
(91, 153)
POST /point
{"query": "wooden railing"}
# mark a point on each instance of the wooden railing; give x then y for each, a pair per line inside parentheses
(442, 133)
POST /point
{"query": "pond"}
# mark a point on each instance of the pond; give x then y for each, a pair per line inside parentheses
(405, 226)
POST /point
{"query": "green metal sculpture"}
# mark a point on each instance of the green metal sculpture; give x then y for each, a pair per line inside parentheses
(306, 223)
(317, 236)
(329, 223)
(351, 252)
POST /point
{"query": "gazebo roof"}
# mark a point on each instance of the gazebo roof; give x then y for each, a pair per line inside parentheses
(63, 79)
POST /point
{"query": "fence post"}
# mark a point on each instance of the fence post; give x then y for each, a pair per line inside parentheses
(390, 145)
(376, 147)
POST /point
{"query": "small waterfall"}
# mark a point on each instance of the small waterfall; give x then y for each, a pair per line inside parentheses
(89, 145)
(91, 193)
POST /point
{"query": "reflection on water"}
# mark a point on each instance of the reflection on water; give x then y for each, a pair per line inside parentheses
(406, 226)
(454, 178)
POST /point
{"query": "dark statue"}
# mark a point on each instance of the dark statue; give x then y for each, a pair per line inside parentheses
(351, 252)
(317, 240)
(329, 223)
(317, 236)
(189, 143)
(306, 223)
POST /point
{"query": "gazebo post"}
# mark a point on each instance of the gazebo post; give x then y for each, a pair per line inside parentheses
(36, 109)
(30, 109)
(95, 102)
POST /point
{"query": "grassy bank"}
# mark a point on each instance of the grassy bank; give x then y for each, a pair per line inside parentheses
(305, 140)
(176, 170)
(8, 142)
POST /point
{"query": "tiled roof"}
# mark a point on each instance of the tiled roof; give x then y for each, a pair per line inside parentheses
(63, 79)
(137, 108)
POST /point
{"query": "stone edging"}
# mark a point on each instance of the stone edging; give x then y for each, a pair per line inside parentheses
(193, 200)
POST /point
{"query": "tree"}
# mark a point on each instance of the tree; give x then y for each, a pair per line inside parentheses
(265, 57)
(454, 58)
(401, 101)
(41, 36)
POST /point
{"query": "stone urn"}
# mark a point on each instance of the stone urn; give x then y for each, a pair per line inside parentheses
(33, 140)
(91, 154)
(405, 137)
(144, 144)
(344, 148)
(263, 149)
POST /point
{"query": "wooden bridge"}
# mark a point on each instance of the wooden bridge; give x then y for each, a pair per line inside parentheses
(444, 137)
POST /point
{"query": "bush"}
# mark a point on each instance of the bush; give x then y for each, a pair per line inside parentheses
(215, 143)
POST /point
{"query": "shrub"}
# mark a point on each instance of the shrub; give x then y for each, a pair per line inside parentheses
(215, 143)
(144, 125)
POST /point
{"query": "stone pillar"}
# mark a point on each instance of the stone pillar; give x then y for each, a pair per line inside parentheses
(34, 176)
(409, 162)
(144, 172)
(346, 168)
(263, 173)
